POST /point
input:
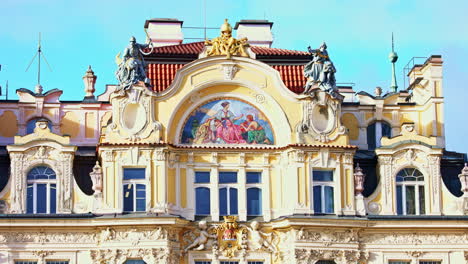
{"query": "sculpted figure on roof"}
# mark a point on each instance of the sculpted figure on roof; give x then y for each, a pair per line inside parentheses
(132, 66)
(225, 44)
(320, 72)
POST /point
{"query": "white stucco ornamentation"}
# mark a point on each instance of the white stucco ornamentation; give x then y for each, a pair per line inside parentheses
(320, 120)
(41, 148)
(133, 117)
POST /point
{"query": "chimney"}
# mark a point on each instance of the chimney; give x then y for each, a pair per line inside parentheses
(164, 31)
(258, 32)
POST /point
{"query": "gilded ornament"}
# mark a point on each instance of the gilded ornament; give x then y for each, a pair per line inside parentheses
(227, 45)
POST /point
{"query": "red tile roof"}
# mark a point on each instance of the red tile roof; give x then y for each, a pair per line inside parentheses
(186, 48)
(277, 52)
(162, 74)
(195, 48)
(292, 76)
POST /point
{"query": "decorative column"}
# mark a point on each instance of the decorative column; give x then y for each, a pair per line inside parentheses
(348, 190)
(18, 186)
(359, 179)
(160, 186)
(386, 183)
(297, 173)
(108, 184)
(214, 192)
(65, 188)
(266, 204)
(464, 183)
(435, 177)
(241, 187)
(189, 212)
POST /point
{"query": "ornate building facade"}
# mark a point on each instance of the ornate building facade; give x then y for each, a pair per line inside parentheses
(223, 152)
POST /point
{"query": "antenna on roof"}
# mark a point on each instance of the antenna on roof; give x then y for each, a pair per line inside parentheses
(38, 54)
(204, 17)
(393, 57)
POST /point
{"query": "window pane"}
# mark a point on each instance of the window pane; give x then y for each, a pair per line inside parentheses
(318, 199)
(254, 201)
(254, 177)
(386, 130)
(329, 205)
(430, 262)
(53, 198)
(202, 201)
(323, 175)
(399, 200)
(135, 261)
(141, 198)
(410, 200)
(57, 262)
(202, 177)
(223, 201)
(422, 203)
(227, 177)
(229, 262)
(255, 262)
(41, 207)
(128, 197)
(399, 262)
(41, 172)
(371, 137)
(325, 262)
(25, 262)
(233, 201)
(133, 173)
(32, 124)
(203, 262)
(29, 199)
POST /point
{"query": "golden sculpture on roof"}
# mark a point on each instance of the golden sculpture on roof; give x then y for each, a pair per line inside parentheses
(225, 44)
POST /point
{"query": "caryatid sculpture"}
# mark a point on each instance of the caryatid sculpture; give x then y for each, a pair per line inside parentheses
(320, 72)
(132, 66)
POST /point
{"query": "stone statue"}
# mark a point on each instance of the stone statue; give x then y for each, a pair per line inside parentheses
(320, 72)
(200, 242)
(259, 239)
(131, 67)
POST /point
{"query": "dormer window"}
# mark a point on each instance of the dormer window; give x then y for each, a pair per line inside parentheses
(375, 132)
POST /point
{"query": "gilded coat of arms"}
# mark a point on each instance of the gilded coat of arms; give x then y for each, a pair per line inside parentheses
(231, 237)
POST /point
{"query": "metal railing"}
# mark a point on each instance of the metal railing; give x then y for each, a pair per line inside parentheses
(413, 61)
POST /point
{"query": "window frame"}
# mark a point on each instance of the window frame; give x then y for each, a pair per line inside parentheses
(322, 185)
(134, 183)
(228, 186)
(201, 185)
(417, 196)
(48, 183)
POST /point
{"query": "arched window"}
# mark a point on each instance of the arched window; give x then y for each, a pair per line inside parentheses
(375, 132)
(410, 192)
(32, 124)
(41, 191)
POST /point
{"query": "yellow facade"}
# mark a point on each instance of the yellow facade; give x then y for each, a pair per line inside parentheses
(139, 177)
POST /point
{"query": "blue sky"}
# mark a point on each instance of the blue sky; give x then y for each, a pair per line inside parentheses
(358, 34)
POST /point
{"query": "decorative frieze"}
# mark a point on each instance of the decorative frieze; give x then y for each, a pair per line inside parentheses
(327, 236)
